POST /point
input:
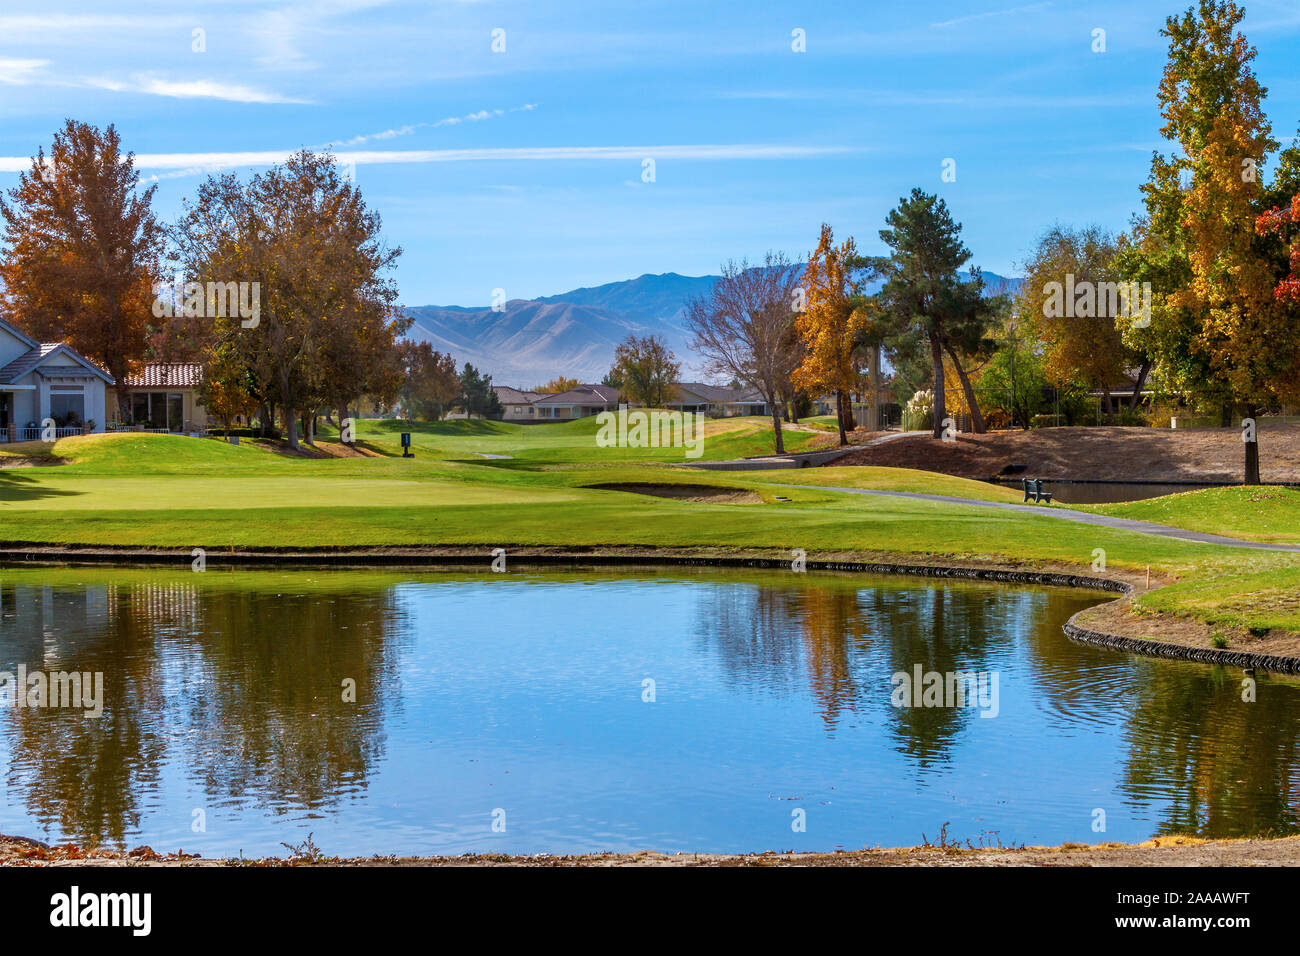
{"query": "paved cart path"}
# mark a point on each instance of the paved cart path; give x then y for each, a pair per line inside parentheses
(1068, 514)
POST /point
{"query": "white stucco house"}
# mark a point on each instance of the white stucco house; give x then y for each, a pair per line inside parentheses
(49, 380)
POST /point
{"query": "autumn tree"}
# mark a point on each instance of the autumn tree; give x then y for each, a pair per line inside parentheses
(430, 383)
(305, 237)
(81, 249)
(227, 387)
(1204, 202)
(744, 328)
(557, 385)
(648, 370)
(1076, 299)
(832, 325)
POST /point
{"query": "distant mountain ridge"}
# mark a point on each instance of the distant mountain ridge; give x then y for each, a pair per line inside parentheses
(574, 334)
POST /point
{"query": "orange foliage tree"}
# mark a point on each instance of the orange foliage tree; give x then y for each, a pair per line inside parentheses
(82, 248)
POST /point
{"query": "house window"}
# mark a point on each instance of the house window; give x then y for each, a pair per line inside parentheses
(68, 409)
(139, 407)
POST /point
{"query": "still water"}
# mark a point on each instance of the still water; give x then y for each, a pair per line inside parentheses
(578, 711)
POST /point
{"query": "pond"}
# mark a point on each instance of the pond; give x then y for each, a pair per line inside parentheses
(435, 712)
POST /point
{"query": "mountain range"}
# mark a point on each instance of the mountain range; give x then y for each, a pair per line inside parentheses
(574, 334)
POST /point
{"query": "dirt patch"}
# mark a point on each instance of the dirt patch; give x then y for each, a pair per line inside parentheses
(710, 494)
(1161, 851)
(1117, 617)
(1099, 454)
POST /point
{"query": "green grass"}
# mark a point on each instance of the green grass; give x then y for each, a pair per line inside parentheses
(169, 491)
(565, 442)
(1263, 513)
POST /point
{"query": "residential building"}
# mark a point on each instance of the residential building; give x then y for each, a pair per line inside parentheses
(42, 381)
(163, 395)
(516, 404)
(581, 402)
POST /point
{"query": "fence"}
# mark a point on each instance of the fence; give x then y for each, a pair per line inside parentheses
(15, 433)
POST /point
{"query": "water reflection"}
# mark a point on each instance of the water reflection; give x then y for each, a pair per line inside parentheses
(393, 711)
(243, 689)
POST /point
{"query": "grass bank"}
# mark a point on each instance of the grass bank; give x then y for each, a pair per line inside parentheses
(159, 491)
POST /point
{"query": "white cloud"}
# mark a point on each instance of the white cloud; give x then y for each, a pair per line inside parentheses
(205, 162)
(20, 72)
(449, 121)
(993, 13)
(189, 89)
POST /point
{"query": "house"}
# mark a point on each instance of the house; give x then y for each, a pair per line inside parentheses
(581, 402)
(42, 381)
(699, 397)
(516, 404)
(163, 395)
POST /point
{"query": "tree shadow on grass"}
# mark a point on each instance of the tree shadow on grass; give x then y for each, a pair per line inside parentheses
(16, 486)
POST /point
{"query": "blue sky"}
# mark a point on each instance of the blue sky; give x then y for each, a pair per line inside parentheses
(522, 169)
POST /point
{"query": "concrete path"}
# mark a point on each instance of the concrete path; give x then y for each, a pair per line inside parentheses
(1067, 514)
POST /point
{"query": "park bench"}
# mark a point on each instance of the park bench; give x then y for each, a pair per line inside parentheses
(1034, 489)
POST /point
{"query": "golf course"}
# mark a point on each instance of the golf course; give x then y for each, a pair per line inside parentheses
(480, 485)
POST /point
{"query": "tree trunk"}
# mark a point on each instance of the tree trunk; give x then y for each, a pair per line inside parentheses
(1143, 372)
(291, 427)
(939, 405)
(839, 414)
(776, 429)
(874, 423)
(1252, 450)
(977, 417)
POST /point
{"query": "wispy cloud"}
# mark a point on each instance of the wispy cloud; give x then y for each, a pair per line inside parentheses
(189, 89)
(449, 121)
(993, 13)
(20, 72)
(200, 162)
(969, 100)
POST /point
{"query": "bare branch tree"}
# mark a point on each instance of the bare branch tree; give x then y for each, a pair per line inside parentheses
(744, 328)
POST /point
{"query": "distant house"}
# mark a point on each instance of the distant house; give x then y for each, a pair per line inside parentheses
(163, 395)
(581, 402)
(516, 404)
(720, 400)
(47, 380)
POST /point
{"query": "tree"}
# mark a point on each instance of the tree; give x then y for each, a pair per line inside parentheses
(648, 369)
(1276, 220)
(302, 236)
(1072, 299)
(82, 248)
(477, 397)
(744, 328)
(1205, 202)
(430, 384)
(227, 385)
(557, 385)
(833, 325)
(921, 299)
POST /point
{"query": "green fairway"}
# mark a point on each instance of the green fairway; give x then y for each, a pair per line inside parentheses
(170, 491)
(1262, 513)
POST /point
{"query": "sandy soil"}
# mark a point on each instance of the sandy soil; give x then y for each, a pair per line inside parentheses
(1105, 453)
(682, 492)
(1161, 851)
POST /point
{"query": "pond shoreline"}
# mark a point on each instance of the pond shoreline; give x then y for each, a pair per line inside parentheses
(1161, 851)
(1180, 638)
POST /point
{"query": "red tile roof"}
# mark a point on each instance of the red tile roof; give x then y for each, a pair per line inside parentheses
(167, 375)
